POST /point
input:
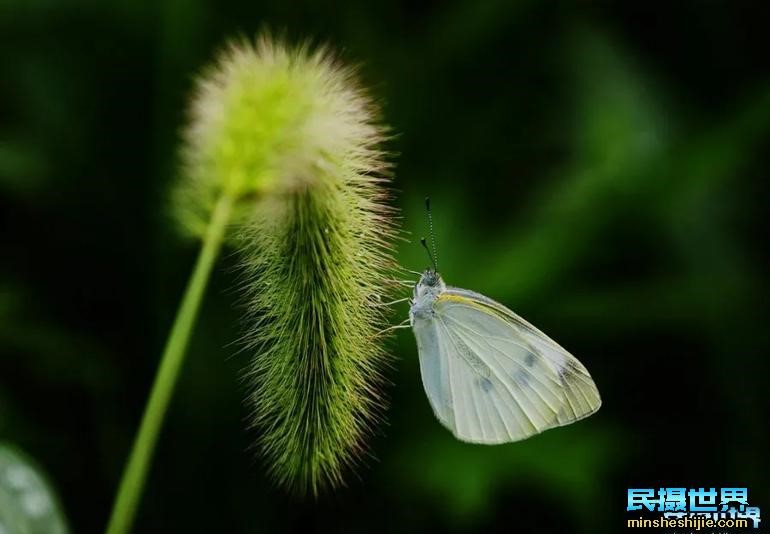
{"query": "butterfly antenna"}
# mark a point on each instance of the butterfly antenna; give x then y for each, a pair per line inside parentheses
(434, 257)
(430, 255)
(427, 249)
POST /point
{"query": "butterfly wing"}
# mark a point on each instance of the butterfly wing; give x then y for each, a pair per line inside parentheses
(492, 377)
(434, 370)
(580, 393)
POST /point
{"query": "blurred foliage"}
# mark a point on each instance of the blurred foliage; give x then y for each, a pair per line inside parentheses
(599, 169)
(28, 505)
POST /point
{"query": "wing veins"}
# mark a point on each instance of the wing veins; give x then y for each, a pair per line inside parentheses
(451, 392)
(530, 399)
(555, 411)
(578, 371)
(500, 417)
(559, 383)
(508, 389)
(528, 348)
(473, 398)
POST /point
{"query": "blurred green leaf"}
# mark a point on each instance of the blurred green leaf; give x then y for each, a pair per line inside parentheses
(28, 504)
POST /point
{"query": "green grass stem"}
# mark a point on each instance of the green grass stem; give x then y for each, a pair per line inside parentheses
(135, 474)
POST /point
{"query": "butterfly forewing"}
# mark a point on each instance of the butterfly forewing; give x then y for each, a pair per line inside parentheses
(493, 378)
(580, 393)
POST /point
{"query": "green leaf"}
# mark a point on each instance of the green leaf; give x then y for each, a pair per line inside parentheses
(28, 504)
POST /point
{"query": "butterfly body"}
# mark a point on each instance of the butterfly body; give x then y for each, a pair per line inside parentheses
(426, 292)
(490, 376)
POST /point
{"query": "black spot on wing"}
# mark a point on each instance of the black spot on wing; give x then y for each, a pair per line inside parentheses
(486, 384)
(529, 359)
(569, 371)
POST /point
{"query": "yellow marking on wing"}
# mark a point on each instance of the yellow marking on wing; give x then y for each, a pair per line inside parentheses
(460, 299)
(482, 306)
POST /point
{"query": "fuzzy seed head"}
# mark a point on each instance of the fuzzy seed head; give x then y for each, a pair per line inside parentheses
(264, 119)
(290, 134)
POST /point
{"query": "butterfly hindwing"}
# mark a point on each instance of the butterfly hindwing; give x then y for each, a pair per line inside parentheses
(434, 370)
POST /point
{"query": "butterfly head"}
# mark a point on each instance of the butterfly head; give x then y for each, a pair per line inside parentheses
(430, 278)
(430, 285)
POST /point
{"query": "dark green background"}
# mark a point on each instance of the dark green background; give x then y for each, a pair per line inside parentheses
(600, 168)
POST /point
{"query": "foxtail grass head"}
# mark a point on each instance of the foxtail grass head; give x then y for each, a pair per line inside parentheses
(292, 138)
(268, 119)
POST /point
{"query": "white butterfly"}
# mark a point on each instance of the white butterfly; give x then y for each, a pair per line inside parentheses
(490, 376)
